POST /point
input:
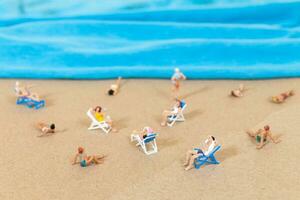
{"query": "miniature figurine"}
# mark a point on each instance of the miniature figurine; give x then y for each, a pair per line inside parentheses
(208, 146)
(261, 136)
(174, 111)
(282, 97)
(100, 117)
(23, 91)
(114, 88)
(177, 76)
(46, 129)
(146, 140)
(85, 160)
(238, 92)
(142, 134)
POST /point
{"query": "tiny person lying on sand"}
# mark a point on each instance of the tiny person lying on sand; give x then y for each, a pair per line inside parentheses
(166, 113)
(208, 146)
(238, 92)
(85, 160)
(46, 129)
(142, 134)
(261, 136)
(114, 88)
(282, 97)
(100, 117)
(23, 91)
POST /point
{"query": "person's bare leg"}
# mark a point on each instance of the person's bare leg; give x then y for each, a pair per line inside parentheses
(251, 133)
(188, 157)
(99, 158)
(191, 162)
(40, 125)
(165, 115)
(118, 82)
(111, 124)
(241, 88)
(89, 160)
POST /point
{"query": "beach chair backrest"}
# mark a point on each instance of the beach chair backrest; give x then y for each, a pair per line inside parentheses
(149, 138)
(91, 116)
(182, 104)
(214, 151)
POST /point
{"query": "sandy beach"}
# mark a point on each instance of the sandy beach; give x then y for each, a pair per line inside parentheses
(38, 168)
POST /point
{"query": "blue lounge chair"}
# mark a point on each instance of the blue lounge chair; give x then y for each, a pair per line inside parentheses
(210, 159)
(30, 103)
(150, 139)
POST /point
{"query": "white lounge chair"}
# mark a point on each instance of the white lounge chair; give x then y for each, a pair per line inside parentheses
(178, 117)
(95, 124)
(149, 140)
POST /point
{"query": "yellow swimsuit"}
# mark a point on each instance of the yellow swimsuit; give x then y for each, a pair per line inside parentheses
(99, 117)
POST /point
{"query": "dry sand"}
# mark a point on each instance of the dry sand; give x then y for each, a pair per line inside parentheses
(40, 168)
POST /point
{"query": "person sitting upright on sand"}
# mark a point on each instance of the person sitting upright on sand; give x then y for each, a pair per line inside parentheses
(85, 160)
(114, 88)
(208, 146)
(261, 136)
(282, 97)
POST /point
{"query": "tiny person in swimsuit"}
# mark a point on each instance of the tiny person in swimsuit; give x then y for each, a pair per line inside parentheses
(177, 76)
(23, 91)
(261, 136)
(238, 92)
(282, 97)
(208, 146)
(85, 160)
(114, 88)
(100, 117)
(46, 129)
(176, 108)
(142, 134)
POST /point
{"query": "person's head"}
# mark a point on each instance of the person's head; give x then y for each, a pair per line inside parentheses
(17, 83)
(267, 128)
(177, 102)
(210, 139)
(110, 92)
(177, 70)
(98, 109)
(80, 150)
(52, 126)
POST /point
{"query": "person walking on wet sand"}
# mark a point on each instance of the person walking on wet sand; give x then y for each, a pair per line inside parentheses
(261, 136)
(176, 78)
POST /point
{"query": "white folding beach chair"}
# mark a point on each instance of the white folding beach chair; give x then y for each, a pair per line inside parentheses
(178, 117)
(95, 124)
(147, 141)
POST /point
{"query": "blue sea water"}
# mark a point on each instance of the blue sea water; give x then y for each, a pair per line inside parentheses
(99, 39)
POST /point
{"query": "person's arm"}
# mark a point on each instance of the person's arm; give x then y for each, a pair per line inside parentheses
(273, 139)
(75, 160)
(183, 76)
